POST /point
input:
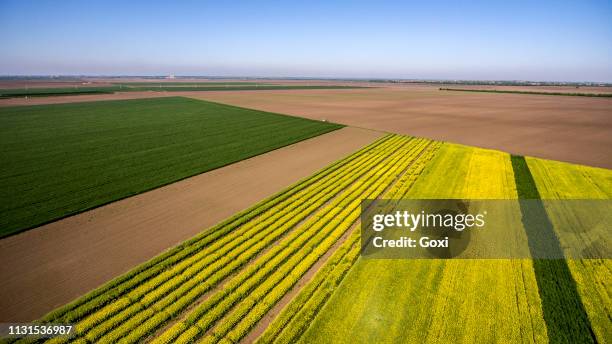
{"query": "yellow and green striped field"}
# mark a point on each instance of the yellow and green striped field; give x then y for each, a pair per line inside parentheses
(288, 269)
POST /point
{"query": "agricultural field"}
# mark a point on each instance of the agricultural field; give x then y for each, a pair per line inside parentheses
(571, 129)
(52, 92)
(82, 155)
(516, 298)
(306, 172)
(158, 87)
(188, 88)
(544, 93)
(280, 271)
(192, 83)
(32, 283)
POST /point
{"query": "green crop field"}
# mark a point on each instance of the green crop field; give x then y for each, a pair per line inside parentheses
(50, 92)
(61, 159)
(163, 87)
(234, 88)
(192, 83)
(218, 286)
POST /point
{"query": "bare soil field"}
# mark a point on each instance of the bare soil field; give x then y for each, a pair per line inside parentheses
(572, 129)
(79, 253)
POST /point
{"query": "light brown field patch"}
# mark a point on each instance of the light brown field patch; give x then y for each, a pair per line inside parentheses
(572, 129)
(49, 266)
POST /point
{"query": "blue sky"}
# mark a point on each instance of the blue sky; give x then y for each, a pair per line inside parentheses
(530, 40)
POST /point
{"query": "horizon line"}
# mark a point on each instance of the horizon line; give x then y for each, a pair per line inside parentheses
(173, 76)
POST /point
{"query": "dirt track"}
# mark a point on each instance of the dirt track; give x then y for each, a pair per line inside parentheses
(572, 129)
(51, 265)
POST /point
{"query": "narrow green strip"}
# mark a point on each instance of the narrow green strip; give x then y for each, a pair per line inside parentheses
(541, 93)
(565, 316)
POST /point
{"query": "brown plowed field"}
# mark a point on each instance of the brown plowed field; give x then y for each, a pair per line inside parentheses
(51, 265)
(572, 129)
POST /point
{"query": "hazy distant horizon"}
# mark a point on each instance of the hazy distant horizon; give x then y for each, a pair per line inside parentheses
(557, 41)
(297, 78)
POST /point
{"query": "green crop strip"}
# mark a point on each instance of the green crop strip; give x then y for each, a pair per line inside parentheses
(219, 285)
(571, 94)
(67, 91)
(83, 155)
(195, 83)
(241, 319)
(193, 284)
(53, 93)
(292, 250)
(295, 318)
(565, 316)
(96, 299)
(298, 314)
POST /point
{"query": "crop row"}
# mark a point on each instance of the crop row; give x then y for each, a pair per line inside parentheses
(93, 300)
(296, 317)
(144, 296)
(400, 189)
(83, 155)
(204, 316)
(218, 261)
(132, 308)
(298, 314)
(405, 181)
(243, 283)
(341, 216)
(416, 286)
(131, 169)
(246, 318)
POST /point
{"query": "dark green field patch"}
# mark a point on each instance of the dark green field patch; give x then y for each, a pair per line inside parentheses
(59, 160)
(234, 88)
(566, 318)
(176, 87)
(191, 83)
(51, 92)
